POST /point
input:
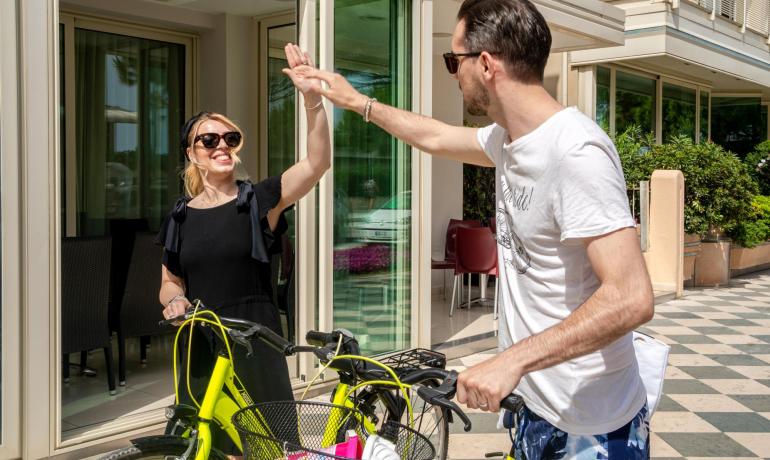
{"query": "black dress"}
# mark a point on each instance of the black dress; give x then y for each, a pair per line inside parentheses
(223, 256)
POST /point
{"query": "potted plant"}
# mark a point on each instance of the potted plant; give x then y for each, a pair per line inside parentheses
(718, 193)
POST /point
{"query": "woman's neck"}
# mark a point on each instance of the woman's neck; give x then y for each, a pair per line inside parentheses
(217, 190)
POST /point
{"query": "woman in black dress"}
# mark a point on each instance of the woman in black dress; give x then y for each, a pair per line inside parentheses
(218, 240)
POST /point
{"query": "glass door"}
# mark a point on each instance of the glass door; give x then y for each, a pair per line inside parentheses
(125, 94)
(372, 196)
(278, 145)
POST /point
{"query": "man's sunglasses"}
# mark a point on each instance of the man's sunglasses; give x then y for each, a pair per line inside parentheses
(211, 140)
(453, 63)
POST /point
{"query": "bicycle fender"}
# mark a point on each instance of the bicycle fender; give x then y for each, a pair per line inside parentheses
(151, 442)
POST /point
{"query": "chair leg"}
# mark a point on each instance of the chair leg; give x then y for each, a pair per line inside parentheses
(65, 372)
(469, 291)
(443, 278)
(454, 291)
(121, 358)
(110, 369)
(144, 342)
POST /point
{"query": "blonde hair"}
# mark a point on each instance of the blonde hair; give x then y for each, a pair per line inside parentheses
(192, 174)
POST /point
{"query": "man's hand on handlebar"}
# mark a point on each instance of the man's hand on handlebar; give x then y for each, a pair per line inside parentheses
(484, 385)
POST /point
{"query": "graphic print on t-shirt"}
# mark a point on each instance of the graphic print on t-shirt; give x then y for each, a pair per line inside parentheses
(518, 199)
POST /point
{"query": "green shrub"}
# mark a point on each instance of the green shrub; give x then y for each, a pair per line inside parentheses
(755, 231)
(718, 186)
(758, 164)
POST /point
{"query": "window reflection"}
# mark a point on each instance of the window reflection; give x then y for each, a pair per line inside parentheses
(678, 112)
(736, 123)
(634, 102)
(372, 177)
(128, 106)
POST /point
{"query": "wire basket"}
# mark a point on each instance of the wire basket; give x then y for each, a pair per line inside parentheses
(304, 430)
(416, 358)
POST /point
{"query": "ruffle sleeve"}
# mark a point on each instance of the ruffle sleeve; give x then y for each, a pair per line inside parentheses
(260, 198)
(168, 237)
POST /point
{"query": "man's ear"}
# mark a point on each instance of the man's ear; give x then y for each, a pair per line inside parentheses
(489, 65)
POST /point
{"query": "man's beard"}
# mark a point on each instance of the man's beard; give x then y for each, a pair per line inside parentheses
(478, 100)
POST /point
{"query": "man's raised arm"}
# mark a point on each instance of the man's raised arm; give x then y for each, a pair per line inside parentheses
(429, 135)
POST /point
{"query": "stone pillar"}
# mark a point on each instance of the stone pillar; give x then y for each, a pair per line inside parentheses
(665, 253)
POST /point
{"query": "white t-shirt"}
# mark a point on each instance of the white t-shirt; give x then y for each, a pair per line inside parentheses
(556, 185)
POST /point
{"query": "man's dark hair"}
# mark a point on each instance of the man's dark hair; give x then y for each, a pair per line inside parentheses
(514, 30)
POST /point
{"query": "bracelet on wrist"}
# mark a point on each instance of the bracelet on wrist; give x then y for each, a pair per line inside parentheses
(320, 103)
(178, 296)
(368, 108)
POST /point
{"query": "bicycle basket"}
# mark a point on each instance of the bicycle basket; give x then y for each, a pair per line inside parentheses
(416, 358)
(412, 445)
(295, 430)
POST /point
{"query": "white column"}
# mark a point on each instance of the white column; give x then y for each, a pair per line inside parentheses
(40, 180)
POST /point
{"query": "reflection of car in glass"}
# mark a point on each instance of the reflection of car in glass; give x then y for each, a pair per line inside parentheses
(391, 222)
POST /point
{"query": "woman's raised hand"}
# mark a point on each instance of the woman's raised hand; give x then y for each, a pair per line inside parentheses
(300, 60)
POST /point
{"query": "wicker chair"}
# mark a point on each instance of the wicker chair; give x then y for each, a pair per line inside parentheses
(85, 283)
(140, 311)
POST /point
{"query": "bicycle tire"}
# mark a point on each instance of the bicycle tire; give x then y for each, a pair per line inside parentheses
(170, 452)
(429, 420)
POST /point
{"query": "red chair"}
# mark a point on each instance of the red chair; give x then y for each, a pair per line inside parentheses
(449, 246)
(476, 253)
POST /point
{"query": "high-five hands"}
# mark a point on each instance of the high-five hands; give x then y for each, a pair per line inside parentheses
(300, 60)
(338, 90)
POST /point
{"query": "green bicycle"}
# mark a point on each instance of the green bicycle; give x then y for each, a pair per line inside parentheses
(410, 388)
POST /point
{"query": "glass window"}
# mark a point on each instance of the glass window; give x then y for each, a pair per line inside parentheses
(678, 111)
(603, 97)
(736, 123)
(763, 128)
(372, 179)
(129, 109)
(705, 102)
(634, 102)
(128, 106)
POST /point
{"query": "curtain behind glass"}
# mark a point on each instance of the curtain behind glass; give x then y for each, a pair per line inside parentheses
(129, 109)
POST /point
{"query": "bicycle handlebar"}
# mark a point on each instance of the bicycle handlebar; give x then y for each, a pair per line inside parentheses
(442, 395)
(241, 331)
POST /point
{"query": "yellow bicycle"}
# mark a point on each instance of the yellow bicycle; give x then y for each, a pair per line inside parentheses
(410, 388)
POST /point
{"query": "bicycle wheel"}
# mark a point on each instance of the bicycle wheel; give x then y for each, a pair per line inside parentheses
(429, 420)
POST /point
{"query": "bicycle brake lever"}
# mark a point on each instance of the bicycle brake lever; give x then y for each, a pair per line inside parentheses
(438, 396)
(242, 339)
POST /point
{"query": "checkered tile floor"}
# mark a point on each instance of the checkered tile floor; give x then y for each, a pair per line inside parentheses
(716, 401)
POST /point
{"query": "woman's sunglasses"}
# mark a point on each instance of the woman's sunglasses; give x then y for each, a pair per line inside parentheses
(211, 140)
(453, 63)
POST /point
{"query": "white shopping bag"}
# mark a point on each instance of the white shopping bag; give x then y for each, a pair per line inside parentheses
(652, 357)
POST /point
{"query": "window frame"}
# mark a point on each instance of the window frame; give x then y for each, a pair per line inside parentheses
(660, 79)
(10, 253)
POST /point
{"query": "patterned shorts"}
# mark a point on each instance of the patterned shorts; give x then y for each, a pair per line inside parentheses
(537, 439)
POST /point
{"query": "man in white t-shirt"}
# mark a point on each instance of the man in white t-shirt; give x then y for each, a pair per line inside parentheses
(574, 283)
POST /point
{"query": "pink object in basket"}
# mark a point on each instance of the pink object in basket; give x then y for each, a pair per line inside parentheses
(351, 449)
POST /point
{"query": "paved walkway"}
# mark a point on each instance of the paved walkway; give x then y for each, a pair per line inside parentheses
(716, 402)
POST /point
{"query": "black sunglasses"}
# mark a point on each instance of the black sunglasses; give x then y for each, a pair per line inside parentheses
(453, 64)
(211, 140)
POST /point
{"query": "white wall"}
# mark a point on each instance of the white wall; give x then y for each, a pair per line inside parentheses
(447, 174)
